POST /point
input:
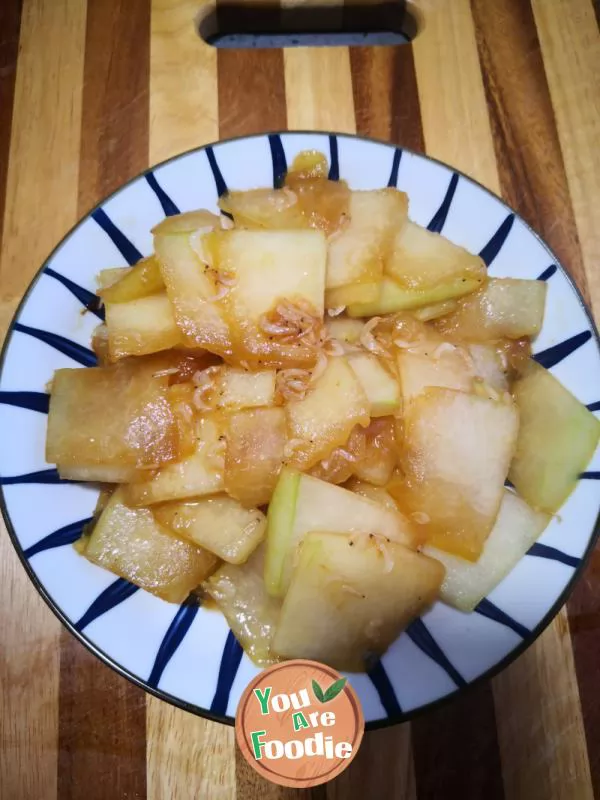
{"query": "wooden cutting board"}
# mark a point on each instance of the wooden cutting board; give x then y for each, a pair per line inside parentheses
(93, 92)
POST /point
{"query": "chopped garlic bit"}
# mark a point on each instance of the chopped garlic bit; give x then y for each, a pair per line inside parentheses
(420, 517)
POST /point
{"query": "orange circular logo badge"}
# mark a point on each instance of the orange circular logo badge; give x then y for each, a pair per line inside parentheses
(299, 723)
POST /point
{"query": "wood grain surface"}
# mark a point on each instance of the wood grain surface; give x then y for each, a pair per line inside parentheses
(93, 92)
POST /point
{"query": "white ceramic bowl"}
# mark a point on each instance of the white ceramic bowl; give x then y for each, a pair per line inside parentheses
(185, 654)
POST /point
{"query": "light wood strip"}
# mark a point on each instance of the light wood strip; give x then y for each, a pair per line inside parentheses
(540, 728)
(29, 670)
(452, 757)
(318, 89)
(41, 203)
(183, 80)
(187, 756)
(455, 119)
(568, 34)
(43, 160)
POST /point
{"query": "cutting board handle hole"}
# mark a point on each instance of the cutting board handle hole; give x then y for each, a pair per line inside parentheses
(239, 24)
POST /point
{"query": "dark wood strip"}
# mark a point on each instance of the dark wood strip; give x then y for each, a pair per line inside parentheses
(10, 23)
(114, 127)
(102, 716)
(534, 182)
(451, 756)
(584, 622)
(530, 163)
(383, 761)
(456, 749)
(102, 725)
(251, 88)
(386, 98)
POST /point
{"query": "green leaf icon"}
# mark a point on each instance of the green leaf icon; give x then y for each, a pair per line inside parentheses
(318, 692)
(334, 690)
